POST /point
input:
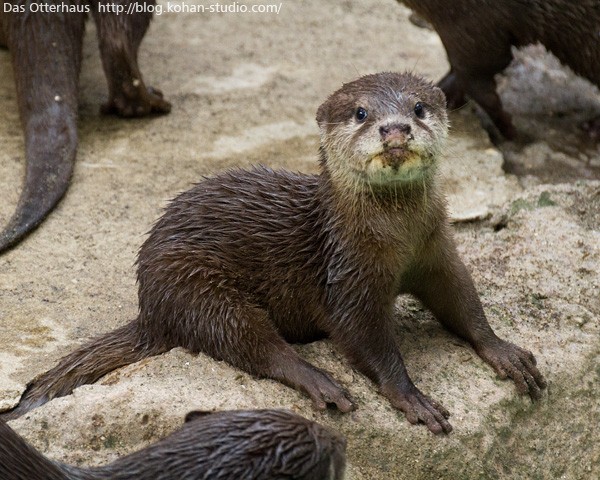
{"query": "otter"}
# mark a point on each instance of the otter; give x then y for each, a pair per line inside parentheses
(257, 444)
(478, 36)
(249, 261)
(46, 51)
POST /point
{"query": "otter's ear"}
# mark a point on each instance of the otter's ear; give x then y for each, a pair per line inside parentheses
(335, 109)
(323, 114)
(439, 98)
(195, 414)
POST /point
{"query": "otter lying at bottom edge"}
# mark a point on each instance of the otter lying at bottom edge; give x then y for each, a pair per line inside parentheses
(257, 444)
(249, 260)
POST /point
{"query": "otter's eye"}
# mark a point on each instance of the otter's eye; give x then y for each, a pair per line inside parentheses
(361, 114)
(419, 110)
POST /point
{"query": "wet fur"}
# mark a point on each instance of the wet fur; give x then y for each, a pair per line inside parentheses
(478, 35)
(257, 444)
(46, 56)
(249, 261)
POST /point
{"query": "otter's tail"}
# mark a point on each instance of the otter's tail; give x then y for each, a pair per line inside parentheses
(86, 365)
(20, 460)
(46, 57)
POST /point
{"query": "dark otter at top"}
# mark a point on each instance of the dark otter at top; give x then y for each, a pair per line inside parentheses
(250, 260)
(478, 35)
(229, 445)
(46, 56)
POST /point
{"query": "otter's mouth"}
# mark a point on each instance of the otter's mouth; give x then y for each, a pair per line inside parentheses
(394, 156)
(396, 151)
(396, 163)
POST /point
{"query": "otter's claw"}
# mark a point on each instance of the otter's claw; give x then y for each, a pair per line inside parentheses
(511, 361)
(325, 390)
(136, 101)
(420, 408)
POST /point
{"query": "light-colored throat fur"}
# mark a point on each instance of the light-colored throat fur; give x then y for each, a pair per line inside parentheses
(392, 218)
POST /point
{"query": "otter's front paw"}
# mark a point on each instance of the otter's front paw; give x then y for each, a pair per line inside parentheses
(136, 100)
(323, 390)
(514, 362)
(419, 408)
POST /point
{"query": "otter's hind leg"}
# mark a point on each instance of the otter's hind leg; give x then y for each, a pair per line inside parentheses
(483, 91)
(243, 335)
(455, 93)
(119, 37)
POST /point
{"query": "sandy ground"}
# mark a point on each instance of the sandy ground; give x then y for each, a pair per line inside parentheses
(245, 89)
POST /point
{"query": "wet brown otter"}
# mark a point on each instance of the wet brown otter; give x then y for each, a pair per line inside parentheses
(257, 444)
(46, 56)
(478, 35)
(249, 260)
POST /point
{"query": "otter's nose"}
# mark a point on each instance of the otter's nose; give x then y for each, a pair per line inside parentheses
(392, 130)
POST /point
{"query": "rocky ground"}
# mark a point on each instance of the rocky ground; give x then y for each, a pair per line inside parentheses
(245, 89)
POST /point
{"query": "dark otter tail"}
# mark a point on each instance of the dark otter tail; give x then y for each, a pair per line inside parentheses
(46, 57)
(86, 365)
(19, 460)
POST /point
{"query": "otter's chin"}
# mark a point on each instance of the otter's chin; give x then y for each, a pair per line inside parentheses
(396, 165)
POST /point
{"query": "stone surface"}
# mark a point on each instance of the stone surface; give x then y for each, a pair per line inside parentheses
(245, 89)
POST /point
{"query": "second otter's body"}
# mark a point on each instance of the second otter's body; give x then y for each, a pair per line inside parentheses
(249, 260)
(478, 36)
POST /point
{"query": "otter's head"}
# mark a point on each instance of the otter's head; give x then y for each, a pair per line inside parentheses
(383, 129)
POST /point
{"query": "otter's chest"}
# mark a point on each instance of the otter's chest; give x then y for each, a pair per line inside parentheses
(395, 255)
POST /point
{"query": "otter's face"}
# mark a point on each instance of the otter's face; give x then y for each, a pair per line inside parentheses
(383, 129)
